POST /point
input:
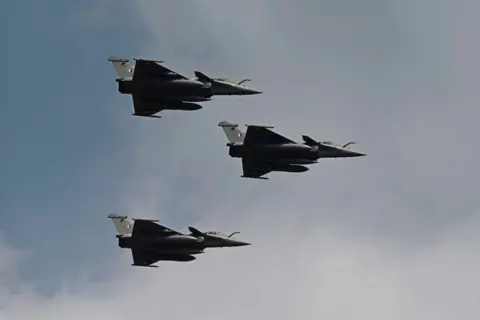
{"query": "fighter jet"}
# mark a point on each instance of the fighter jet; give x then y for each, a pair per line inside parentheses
(150, 242)
(154, 87)
(263, 151)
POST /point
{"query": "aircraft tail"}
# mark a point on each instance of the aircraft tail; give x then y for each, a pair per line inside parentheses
(122, 224)
(234, 135)
(123, 69)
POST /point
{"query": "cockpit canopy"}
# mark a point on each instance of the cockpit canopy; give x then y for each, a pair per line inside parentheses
(333, 144)
(224, 80)
(217, 234)
(241, 83)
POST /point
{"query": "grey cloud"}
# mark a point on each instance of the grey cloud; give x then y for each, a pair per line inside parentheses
(392, 235)
(346, 71)
(340, 278)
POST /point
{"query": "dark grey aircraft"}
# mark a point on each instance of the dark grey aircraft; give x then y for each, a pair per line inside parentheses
(155, 88)
(151, 242)
(263, 151)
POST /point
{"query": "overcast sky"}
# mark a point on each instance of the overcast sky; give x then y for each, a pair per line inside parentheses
(393, 235)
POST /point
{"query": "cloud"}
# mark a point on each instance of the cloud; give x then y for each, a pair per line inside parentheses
(392, 235)
(322, 273)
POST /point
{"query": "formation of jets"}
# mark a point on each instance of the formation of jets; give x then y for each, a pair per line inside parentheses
(155, 88)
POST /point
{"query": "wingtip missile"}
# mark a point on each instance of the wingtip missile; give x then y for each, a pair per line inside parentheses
(141, 219)
(148, 60)
(116, 216)
(225, 123)
(259, 126)
(117, 59)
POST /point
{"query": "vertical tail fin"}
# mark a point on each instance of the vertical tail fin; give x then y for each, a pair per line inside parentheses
(234, 135)
(122, 224)
(123, 69)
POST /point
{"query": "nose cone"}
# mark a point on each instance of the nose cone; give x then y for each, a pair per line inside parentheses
(236, 243)
(351, 154)
(251, 92)
(358, 154)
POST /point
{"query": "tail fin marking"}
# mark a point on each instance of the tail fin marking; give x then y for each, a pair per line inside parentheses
(123, 225)
(123, 69)
(234, 135)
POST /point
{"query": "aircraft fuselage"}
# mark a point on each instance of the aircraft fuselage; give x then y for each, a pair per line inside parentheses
(176, 244)
(185, 90)
(182, 89)
(288, 153)
(279, 153)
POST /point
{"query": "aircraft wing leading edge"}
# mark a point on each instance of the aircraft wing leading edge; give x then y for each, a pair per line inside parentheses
(145, 228)
(256, 135)
(150, 70)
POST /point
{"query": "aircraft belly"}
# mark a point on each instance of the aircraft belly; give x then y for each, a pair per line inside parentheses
(141, 258)
(285, 154)
(180, 239)
(171, 243)
(177, 248)
(186, 106)
(163, 242)
(196, 99)
(161, 91)
(288, 168)
(294, 161)
(179, 251)
(184, 83)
